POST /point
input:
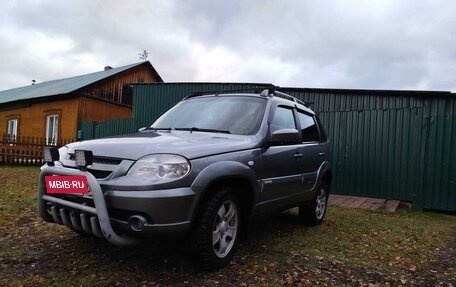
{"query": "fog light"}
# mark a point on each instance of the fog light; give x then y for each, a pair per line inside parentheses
(83, 157)
(50, 154)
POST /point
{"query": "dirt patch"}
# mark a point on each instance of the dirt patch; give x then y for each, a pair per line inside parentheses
(352, 248)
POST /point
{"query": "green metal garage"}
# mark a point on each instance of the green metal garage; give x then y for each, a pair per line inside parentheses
(386, 144)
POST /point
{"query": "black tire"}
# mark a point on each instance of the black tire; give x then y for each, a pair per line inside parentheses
(212, 256)
(314, 212)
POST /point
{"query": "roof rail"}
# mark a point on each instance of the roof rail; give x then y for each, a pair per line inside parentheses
(266, 91)
(255, 89)
(283, 96)
(269, 91)
(288, 97)
(218, 92)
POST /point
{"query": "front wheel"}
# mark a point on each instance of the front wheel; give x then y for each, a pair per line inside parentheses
(217, 230)
(313, 213)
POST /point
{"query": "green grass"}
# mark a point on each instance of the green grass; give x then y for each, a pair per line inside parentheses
(353, 247)
(18, 187)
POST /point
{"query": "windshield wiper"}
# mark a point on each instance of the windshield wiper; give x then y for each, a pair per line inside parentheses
(159, 129)
(203, 130)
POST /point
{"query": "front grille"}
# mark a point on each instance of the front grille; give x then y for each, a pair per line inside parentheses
(101, 159)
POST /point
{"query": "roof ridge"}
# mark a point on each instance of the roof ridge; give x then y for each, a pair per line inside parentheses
(72, 77)
(61, 86)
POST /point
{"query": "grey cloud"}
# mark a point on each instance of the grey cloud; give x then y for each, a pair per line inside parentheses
(337, 44)
(373, 44)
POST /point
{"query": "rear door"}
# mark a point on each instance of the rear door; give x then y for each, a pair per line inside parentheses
(312, 152)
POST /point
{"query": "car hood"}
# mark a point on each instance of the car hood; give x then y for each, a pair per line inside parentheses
(189, 144)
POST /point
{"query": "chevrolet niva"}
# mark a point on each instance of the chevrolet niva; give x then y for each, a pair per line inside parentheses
(204, 168)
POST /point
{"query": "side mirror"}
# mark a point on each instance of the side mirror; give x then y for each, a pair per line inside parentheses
(284, 136)
(142, 129)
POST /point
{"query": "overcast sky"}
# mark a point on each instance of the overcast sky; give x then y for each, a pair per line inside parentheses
(334, 44)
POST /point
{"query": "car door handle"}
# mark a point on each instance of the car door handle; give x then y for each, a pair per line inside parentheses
(297, 155)
(320, 154)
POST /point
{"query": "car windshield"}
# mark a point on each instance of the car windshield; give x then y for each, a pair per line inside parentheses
(226, 114)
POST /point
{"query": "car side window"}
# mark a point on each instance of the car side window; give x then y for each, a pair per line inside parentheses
(309, 129)
(283, 119)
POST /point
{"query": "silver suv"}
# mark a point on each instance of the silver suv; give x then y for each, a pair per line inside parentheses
(204, 168)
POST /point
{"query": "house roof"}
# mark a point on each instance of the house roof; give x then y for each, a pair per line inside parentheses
(62, 86)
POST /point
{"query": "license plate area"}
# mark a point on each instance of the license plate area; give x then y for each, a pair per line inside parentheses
(66, 184)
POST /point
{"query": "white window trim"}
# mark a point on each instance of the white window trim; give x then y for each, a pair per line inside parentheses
(53, 135)
(12, 129)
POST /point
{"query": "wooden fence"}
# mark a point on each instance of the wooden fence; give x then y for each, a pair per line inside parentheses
(26, 150)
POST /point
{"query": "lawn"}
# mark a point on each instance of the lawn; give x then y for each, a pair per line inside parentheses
(352, 248)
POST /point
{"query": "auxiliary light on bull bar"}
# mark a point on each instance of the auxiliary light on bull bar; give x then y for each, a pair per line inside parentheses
(50, 154)
(83, 157)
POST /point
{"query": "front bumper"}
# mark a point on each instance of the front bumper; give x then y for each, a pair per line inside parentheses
(107, 214)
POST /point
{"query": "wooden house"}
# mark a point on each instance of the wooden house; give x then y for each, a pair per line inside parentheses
(53, 110)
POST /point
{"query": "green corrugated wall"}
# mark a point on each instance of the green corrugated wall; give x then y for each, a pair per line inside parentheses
(386, 144)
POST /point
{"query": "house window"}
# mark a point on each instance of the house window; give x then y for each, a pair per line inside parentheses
(52, 129)
(12, 130)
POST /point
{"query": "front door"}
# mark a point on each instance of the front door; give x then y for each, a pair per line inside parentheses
(281, 176)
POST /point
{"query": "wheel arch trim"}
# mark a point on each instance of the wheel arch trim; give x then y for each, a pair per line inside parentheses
(220, 172)
(324, 170)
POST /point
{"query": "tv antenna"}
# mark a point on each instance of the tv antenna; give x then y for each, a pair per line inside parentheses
(143, 55)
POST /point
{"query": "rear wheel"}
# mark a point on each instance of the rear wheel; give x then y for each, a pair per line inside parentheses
(217, 231)
(314, 212)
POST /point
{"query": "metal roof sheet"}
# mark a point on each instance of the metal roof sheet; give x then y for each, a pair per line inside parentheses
(58, 87)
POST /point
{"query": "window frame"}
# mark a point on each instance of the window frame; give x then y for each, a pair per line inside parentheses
(291, 108)
(12, 137)
(313, 117)
(56, 128)
(321, 130)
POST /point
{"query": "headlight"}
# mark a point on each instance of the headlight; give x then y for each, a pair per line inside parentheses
(158, 166)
